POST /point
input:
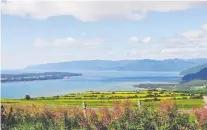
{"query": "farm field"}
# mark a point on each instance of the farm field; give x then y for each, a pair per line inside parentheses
(185, 100)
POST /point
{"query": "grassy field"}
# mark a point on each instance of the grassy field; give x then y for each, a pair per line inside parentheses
(185, 100)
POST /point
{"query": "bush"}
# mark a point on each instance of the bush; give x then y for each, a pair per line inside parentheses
(196, 97)
(201, 116)
(184, 98)
(27, 97)
(156, 99)
(147, 100)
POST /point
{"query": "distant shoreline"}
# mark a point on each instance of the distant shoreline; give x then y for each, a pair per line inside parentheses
(25, 77)
(32, 80)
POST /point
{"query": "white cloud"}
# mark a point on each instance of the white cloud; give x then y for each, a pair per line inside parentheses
(192, 34)
(134, 39)
(173, 40)
(91, 10)
(135, 15)
(185, 51)
(204, 27)
(195, 35)
(147, 40)
(181, 50)
(59, 42)
(166, 50)
(93, 42)
(188, 44)
(64, 42)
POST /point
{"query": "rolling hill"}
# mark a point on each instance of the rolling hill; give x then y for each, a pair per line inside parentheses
(194, 69)
(201, 75)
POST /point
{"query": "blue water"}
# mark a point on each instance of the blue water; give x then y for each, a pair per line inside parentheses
(96, 81)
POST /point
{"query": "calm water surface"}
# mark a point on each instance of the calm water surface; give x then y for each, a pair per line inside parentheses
(97, 81)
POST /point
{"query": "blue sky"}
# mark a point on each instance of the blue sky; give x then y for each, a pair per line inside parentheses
(38, 32)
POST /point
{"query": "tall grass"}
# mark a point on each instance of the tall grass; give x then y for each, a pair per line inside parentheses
(122, 116)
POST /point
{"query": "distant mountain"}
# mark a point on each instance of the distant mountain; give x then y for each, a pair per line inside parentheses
(82, 65)
(122, 65)
(194, 69)
(157, 65)
(198, 60)
(201, 75)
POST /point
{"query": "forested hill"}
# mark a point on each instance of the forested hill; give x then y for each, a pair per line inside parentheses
(194, 69)
(201, 75)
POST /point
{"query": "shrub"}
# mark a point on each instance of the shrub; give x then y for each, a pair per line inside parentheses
(27, 97)
(201, 116)
(184, 98)
(156, 99)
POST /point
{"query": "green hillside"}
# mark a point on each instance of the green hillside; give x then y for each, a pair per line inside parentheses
(194, 69)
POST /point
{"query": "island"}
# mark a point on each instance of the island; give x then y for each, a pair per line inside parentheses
(37, 76)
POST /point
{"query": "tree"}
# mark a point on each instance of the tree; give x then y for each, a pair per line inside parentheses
(27, 97)
(57, 97)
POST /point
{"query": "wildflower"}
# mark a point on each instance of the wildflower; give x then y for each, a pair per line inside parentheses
(166, 105)
(117, 111)
(201, 116)
(92, 116)
(105, 115)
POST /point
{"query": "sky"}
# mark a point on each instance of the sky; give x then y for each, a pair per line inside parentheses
(37, 32)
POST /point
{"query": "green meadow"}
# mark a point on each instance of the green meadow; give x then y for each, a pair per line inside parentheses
(185, 100)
